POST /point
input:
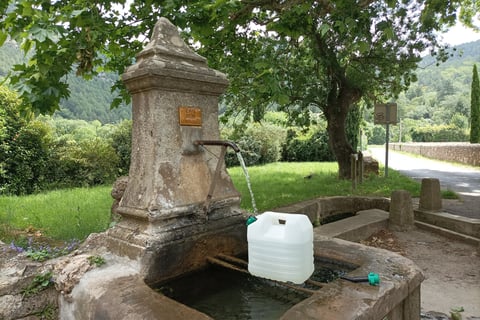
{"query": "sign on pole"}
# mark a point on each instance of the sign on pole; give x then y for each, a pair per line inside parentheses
(385, 113)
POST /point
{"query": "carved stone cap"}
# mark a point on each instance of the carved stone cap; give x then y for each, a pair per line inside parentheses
(167, 56)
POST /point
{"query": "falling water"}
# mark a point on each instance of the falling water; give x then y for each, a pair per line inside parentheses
(247, 177)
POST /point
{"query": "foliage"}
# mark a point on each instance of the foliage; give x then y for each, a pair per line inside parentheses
(96, 260)
(86, 163)
(24, 148)
(475, 108)
(259, 143)
(49, 312)
(352, 126)
(442, 94)
(297, 55)
(39, 283)
(376, 135)
(121, 138)
(43, 252)
(44, 153)
(440, 133)
(310, 146)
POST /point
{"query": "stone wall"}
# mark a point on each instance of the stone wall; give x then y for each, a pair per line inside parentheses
(461, 152)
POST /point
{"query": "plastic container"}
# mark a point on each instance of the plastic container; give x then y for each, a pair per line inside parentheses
(280, 247)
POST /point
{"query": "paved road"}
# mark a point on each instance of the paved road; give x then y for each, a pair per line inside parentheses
(462, 179)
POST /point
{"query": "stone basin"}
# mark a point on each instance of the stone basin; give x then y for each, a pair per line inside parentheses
(118, 291)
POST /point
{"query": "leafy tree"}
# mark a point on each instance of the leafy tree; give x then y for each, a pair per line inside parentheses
(24, 148)
(297, 54)
(475, 108)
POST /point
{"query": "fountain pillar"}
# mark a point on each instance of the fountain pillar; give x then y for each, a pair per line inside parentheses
(175, 103)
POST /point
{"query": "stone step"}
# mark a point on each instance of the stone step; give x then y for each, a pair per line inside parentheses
(448, 233)
(356, 228)
(458, 224)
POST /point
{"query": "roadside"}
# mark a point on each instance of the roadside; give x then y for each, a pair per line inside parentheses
(463, 180)
(451, 270)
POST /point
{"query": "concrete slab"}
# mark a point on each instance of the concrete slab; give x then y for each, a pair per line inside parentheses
(356, 228)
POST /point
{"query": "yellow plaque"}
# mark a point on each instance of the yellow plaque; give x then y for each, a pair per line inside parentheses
(190, 116)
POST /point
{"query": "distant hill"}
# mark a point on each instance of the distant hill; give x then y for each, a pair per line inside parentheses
(439, 92)
(89, 99)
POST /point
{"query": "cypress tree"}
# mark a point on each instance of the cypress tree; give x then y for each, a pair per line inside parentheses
(475, 108)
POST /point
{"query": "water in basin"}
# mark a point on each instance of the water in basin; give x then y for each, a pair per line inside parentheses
(226, 294)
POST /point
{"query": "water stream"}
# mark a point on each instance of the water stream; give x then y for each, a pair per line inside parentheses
(247, 177)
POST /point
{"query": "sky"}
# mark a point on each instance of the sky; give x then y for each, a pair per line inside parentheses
(460, 34)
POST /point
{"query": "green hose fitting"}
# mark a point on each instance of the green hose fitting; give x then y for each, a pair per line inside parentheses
(373, 279)
(251, 220)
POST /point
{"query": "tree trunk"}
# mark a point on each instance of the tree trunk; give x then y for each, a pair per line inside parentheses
(341, 97)
(338, 141)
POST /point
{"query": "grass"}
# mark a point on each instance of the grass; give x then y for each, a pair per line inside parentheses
(279, 184)
(59, 215)
(75, 213)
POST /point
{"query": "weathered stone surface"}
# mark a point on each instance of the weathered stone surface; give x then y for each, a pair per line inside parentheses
(170, 176)
(461, 152)
(70, 270)
(344, 300)
(401, 211)
(322, 209)
(370, 166)
(430, 195)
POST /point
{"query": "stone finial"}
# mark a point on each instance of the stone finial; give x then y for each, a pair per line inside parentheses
(166, 41)
(167, 62)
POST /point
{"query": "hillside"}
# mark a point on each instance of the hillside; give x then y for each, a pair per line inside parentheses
(89, 99)
(440, 93)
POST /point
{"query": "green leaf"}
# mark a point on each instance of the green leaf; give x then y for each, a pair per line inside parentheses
(363, 46)
(26, 45)
(283, 99)
(324, 28)
(76, 13)
(3, 38)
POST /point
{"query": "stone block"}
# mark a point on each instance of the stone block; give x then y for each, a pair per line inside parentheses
(370, 166)
(430, 196)
(401, 211)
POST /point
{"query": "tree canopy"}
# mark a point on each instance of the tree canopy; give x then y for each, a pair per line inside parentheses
(294, 55)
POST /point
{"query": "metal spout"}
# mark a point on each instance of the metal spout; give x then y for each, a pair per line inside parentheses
(224, 143)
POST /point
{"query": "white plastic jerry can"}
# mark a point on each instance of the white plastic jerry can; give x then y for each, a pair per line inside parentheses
(280, 247)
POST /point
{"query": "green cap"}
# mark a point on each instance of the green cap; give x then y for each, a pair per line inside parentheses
(373, 279)
(251, 220)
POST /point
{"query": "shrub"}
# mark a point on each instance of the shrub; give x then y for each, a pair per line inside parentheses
(439, 133)
(259, 143)
(86, 163)
(28, 157)
(376, 135)
(312, 146)
(24, 148)
(121, 141)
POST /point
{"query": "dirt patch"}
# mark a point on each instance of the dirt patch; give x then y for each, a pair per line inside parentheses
(451, 269)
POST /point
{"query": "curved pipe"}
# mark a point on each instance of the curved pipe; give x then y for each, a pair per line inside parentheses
(224, 143)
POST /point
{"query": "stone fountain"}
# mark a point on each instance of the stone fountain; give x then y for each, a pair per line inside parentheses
(179, 204)
(179, 207)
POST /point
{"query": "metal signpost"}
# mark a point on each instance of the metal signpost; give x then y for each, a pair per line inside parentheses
(385, 113)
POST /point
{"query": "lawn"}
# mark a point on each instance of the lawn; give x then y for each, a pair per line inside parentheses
(64, 215)
(281, 183)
